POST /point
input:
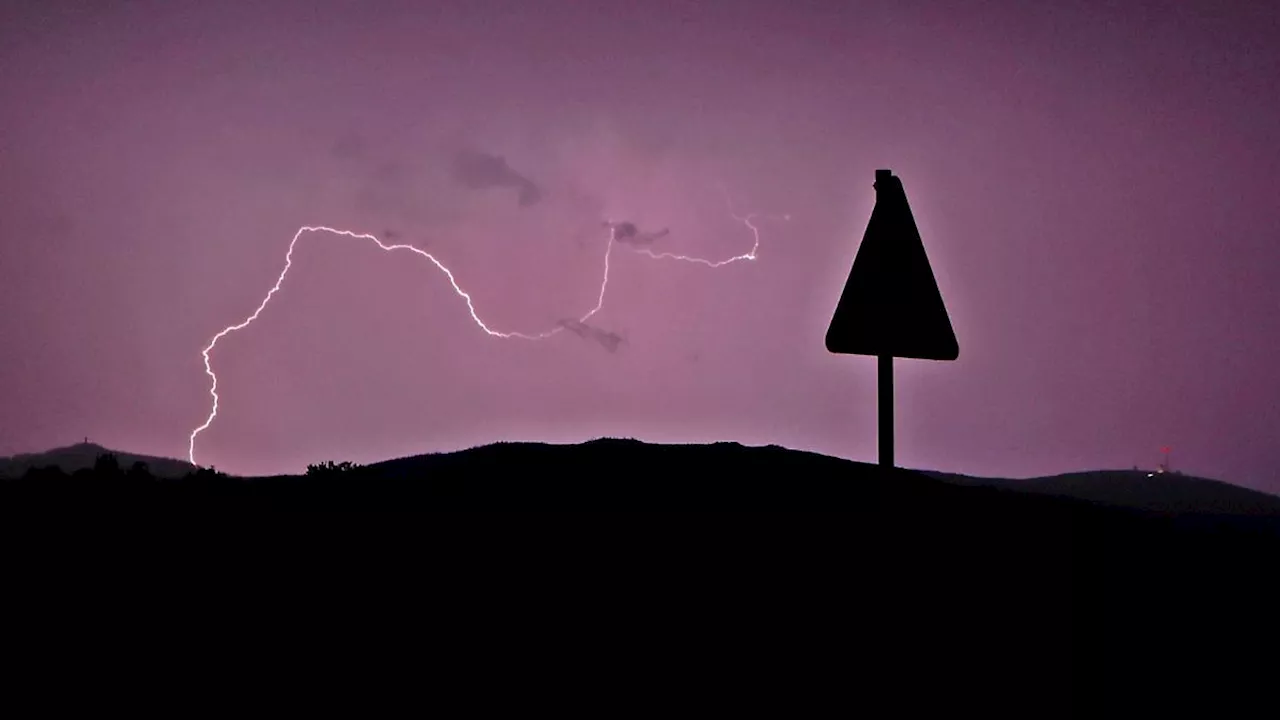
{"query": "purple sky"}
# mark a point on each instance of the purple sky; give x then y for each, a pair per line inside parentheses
(1095, 183)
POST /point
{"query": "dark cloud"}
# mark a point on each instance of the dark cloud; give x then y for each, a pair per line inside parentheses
(481, 171)
(608, 340)
(626, 232)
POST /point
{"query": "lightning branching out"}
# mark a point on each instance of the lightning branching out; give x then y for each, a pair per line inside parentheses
(747, 220)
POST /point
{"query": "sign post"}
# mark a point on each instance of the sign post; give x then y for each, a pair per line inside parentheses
(884, 405)
(891, 306)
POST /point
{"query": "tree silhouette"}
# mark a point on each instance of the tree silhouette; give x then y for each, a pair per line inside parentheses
(329, 467)
(106, 465)
(206, 474)
(45, 473)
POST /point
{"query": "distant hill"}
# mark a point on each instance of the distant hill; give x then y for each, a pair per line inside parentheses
(1171, 493)
(81, 456)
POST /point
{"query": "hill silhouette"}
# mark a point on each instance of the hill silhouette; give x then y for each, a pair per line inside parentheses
(613, 473)
(82, 456)
(620, 474)
(1086, 608)
(1139, 489)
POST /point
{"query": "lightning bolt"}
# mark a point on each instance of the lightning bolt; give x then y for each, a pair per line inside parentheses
(747, 220)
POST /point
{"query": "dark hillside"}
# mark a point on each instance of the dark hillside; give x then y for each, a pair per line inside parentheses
(82, 456)
(1027, 600)
(1139, 489)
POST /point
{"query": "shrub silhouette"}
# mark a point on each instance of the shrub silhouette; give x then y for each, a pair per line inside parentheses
(329, 467)
(206, 474)
(46, 473)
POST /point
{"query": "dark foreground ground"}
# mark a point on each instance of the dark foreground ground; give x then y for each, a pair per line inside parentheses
(967, 599)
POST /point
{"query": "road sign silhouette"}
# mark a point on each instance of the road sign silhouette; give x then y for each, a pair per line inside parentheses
(891, 305)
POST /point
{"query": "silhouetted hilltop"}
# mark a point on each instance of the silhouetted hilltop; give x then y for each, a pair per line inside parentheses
(1114, 605)
(612, 473)
(82, 456)
(604, 474)
(1139, 489)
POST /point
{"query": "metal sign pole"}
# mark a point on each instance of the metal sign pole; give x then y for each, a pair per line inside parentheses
(884, 402)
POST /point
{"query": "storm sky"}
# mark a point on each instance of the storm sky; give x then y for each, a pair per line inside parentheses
(1095, 185)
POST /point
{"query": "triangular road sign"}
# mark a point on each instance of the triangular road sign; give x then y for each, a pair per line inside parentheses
(891, 305)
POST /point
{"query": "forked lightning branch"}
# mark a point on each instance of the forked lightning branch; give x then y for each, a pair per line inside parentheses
(620, 233)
